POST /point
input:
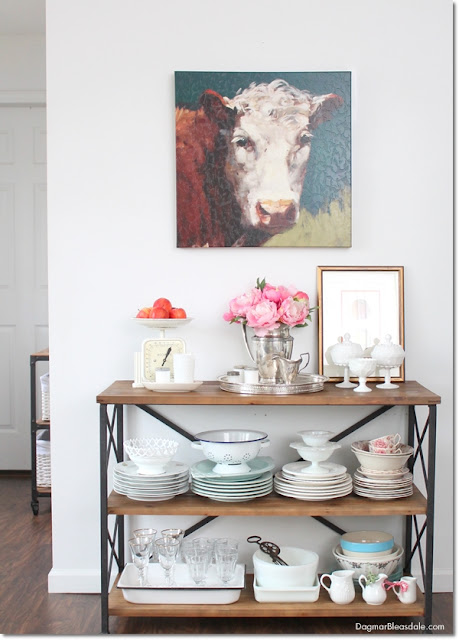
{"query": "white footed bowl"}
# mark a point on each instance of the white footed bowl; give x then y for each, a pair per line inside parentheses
(315, 438)
(300, 572)
(151, 455)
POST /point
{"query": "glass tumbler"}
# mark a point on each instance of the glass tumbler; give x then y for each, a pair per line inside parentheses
(226, 557)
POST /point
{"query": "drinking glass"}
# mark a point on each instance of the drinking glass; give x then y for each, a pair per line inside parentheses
(198, 557)
(174, 534)
(151, 534)
(167, 553)
(140, 550)
(226, 556)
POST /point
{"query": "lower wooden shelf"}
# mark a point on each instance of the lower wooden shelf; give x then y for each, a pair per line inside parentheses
(248, 607)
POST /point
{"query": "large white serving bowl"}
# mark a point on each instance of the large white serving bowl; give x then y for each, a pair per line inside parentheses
(379, 564)
(381, 461)
(230, 449)
(300, 572)
(361, 543)
(151, 455)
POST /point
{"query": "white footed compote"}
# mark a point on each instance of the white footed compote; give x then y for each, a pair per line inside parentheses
(315, 455)
(341, 353)
(388, 356)
(315, 438)
(362, 367)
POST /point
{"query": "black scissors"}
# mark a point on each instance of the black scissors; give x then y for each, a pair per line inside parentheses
(268, 547)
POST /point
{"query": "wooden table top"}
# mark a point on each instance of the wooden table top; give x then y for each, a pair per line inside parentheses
(209, 393)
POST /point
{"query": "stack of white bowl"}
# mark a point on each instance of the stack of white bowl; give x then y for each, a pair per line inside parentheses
(368, 552)
(296, 581)
(382, 476)
(232, 470)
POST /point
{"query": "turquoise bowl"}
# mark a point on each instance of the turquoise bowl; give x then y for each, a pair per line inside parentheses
(367, 541)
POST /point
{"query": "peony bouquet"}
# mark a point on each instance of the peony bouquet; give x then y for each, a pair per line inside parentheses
(266, 307)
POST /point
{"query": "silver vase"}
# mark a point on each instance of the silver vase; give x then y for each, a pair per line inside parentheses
(262, 349)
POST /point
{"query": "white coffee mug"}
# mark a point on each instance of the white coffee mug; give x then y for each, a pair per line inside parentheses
(183, 368)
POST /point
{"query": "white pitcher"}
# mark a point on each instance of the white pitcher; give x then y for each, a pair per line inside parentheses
(341, 589)
(374, 592)
(407, 594)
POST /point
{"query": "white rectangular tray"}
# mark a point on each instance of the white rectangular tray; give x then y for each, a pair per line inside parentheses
(184, 591)
(292, 594)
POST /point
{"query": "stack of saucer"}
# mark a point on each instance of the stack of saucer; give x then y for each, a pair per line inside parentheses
(383, 485)
(173, 481)
(237, 487)
(294, 481)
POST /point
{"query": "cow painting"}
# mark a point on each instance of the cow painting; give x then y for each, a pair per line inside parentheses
(242, 162)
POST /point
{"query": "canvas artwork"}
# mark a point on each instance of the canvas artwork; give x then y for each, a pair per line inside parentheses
(263, 159)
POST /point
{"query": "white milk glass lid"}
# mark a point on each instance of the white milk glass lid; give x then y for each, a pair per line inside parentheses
(342, 352)
(388, 353)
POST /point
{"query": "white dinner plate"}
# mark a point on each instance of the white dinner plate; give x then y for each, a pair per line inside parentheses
(299, 482)
(297, 469)
(130, 469)
(313, 498)
(171, 387)
(246, 492)
(242, 484)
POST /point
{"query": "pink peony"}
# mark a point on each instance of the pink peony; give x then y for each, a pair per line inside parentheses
(263, 317)
(294, 312)
(277, 294)
(240, 305)
(301, 295)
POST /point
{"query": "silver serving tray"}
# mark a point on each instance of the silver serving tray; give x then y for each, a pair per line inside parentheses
(305, 383)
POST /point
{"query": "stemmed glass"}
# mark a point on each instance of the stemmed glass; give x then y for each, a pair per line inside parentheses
(140, 550)
(174, 534)
(147, 534)
(167, 549)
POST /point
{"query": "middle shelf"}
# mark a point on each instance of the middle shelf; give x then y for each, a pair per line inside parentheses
(271, 505)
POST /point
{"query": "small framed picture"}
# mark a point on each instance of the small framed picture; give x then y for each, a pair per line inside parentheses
(365, 302)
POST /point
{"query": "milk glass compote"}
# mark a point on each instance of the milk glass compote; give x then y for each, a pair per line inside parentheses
(362, 367)
(341, 353)
(140, 550)
(167, 549)
(315, 455)
(388, 356)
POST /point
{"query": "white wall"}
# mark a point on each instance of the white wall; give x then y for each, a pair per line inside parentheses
(111, 224)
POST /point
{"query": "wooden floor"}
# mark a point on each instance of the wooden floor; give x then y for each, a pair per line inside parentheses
(27, 608)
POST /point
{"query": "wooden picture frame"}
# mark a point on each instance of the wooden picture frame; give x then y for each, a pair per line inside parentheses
(367, 303)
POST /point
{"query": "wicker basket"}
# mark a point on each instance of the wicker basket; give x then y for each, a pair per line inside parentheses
(45, 396)
(43, 463)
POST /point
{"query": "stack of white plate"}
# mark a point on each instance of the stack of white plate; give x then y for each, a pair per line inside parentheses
(238, 487)
(129, 482)
(383, 485)
(294, 482)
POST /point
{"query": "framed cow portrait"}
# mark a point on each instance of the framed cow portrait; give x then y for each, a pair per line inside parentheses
(263, 159)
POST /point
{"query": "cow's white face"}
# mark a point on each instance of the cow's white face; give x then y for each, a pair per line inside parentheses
(266, 165)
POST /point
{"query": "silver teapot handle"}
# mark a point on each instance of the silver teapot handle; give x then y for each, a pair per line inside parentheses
(307, 361)
(246, 341)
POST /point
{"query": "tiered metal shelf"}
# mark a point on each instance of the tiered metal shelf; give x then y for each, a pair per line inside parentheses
(418, 535)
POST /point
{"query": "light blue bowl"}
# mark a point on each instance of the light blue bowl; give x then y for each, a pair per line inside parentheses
(367, 541)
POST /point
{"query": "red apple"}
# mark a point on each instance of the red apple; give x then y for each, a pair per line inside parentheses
(164, 303)
(158, 312)
(144, 313)
(177, 312)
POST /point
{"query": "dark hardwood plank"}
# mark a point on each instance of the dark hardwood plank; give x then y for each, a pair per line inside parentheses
(26, 607)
